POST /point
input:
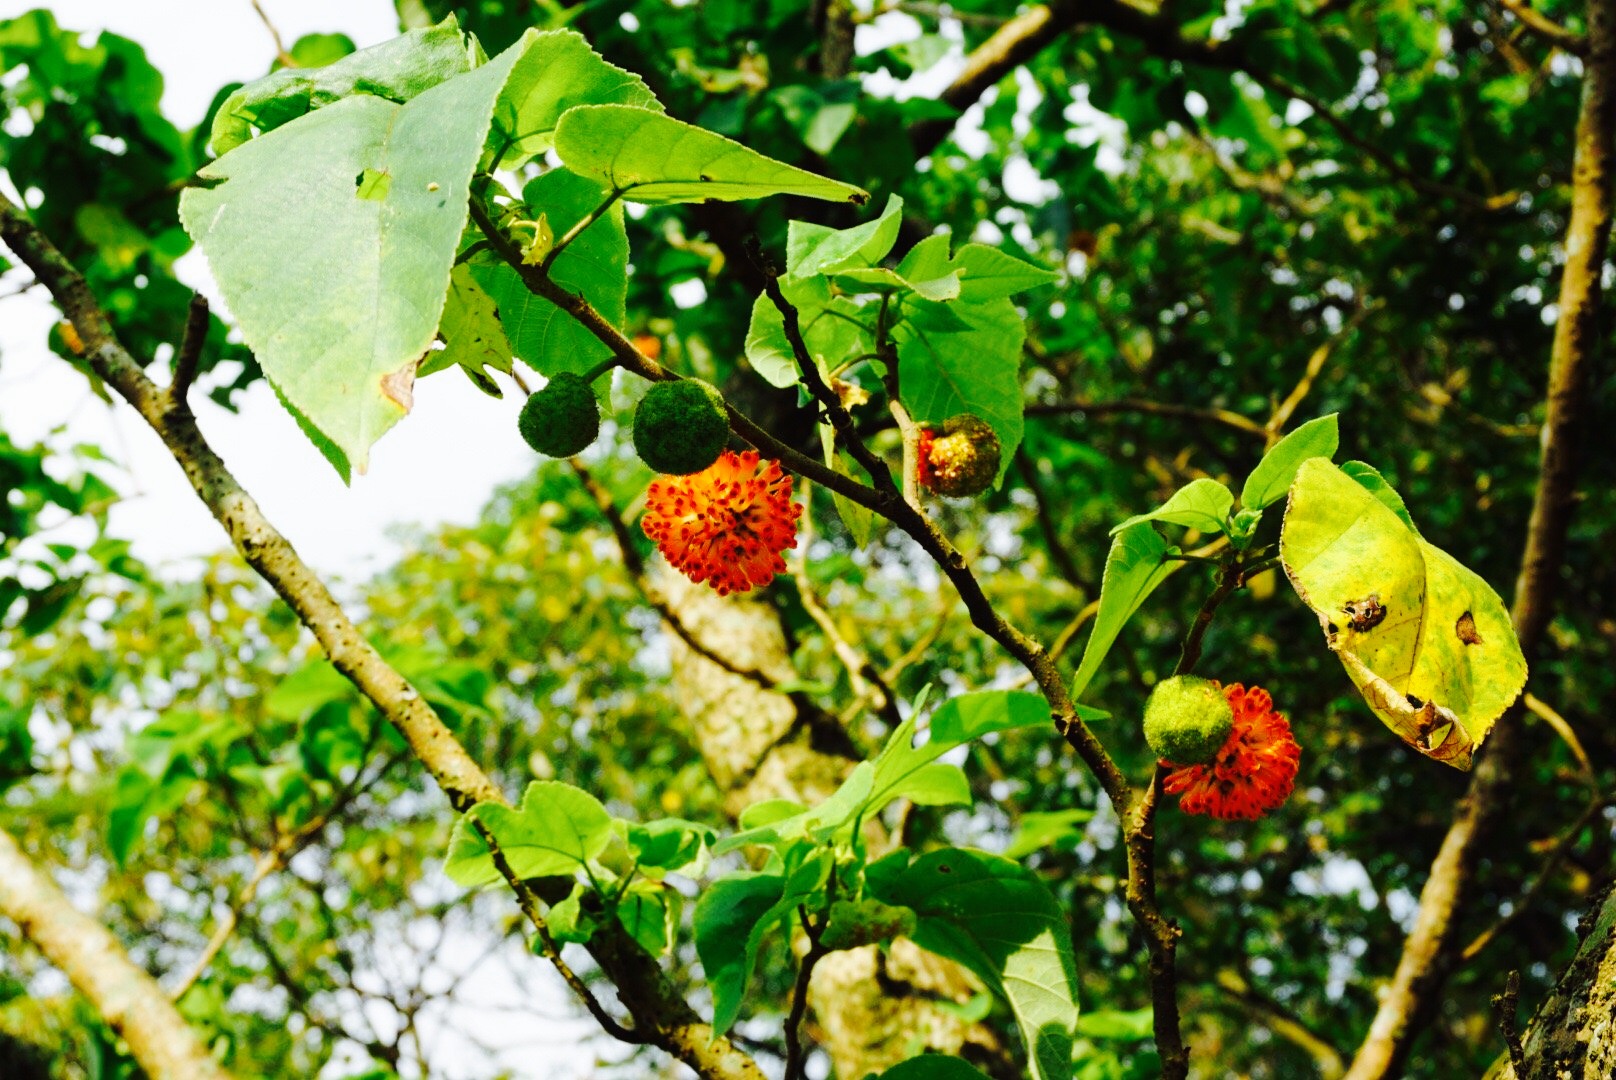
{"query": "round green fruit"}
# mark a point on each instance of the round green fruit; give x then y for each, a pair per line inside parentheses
(1187, 720)
(562, 419)
(962, 460)
(680, 427)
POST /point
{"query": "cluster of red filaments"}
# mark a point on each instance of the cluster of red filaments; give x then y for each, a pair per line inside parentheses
(923, 469)
(727, 524)
(1254, 772)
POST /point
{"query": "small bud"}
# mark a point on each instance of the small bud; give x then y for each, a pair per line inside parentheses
(680, 427)
(961, 461)
(1187, 720)
(562, 419)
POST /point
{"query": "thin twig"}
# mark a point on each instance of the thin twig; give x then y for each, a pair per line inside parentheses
(1231, 420)
(815, 930)
(1545, 27)
(280, 46)
(1506, 1005)
(189, 354)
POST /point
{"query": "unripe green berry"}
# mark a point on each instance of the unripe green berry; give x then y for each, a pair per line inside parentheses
(1187, 720)
(562, 419)
(680, 427)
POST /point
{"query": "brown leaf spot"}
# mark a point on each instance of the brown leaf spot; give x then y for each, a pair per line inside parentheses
(1466, 629)
(399, 387)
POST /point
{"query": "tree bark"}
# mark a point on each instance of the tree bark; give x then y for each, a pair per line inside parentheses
(1430, 952)
(1573, 1036)
(128, 999)
(870, 1007)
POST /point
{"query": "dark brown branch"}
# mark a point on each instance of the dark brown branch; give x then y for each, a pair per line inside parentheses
(660, 1011)
(1506, 1005)
(1431, 947)
(189, 354)
(817, 951)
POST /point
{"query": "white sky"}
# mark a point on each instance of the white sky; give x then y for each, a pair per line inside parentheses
(440, 464)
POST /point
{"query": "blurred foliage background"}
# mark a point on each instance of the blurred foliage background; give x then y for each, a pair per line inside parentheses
(1264, 212)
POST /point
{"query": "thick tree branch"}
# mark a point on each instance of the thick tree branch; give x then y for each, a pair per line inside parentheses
(1431, 948)
(128, 999)
(662, 1015)
(1545, 27)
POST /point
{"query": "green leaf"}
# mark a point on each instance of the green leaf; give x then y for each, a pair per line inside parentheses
(668, 845)
(594, 265)
(395, 71)
(649, 912)
(1039, 829)
(1272, 477)
(934, 1067)
(1129, 1025)
(957, 721)
(1133, 569)
(734, 913)
(835, 329)
(474, 339)
(652, 158)
(878, 279)
(987, 273)
(1374, 483)
(843, 808)
(1428, 643)
(728, 914)
(1202, 504)
(819, 114)
(818, 249)
(860, 521)
(557, 72)
(934, 785)
(557, 830)
(340, 327)
(1000, 921)
(957, 358)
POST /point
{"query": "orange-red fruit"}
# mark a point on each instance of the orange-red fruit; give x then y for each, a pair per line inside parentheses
(1253, 773)
(726, 525)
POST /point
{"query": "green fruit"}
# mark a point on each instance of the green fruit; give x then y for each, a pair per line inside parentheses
(680, 427)
(1187, 720)
(562, 419)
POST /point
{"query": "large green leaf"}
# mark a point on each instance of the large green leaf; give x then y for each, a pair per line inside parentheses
(984, 273)
(594, 265)
(964, 358)
(957, 721)
(395, 70)
(1133, 568)
(1428, 642)
(652, 158)
(728, 917)
(557, 71)
(332, 238)
(557, 830)
(1000, 921)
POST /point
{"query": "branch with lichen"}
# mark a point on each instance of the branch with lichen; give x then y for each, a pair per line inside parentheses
(662, 1016)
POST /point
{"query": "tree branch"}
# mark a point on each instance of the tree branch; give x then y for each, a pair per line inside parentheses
(128, 999)
(1429, 951)
(1545, 27)
(659, 1009)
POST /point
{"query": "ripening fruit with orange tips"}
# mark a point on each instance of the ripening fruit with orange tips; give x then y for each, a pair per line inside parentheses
(1254, 771)
(726, 525)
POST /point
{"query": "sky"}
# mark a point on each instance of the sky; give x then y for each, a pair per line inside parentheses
(439, 465)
